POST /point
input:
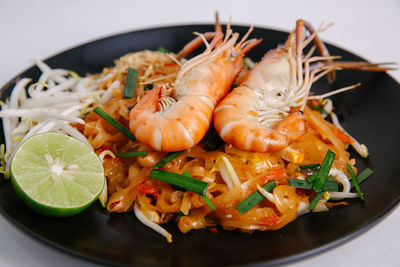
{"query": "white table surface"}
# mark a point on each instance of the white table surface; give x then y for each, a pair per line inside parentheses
(39, 29)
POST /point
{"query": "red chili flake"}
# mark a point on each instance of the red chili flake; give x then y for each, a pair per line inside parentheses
(115, 203)
(213, 230)
(148, 190)
(169, 64)
(274, 174)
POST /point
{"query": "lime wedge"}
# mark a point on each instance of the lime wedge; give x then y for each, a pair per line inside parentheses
(56, 175)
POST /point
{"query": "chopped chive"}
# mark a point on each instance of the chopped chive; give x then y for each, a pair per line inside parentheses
(362, 176)
(303, 184)
(323, 172)
(114, 123)
(170, 156)
(331, 186)
(182, 181)
(319, 109)
(312, 178)
(315, 200)
(162, 49)
(130, 83)
(205, 197)
(254, 198)
(353, 178)
(132, 154)
(311, 166)
(209, 203)
(330, 178)
(148, 86)
(181, 214)
(213, 141)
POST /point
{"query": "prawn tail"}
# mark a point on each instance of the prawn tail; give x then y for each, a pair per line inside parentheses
(293, 126)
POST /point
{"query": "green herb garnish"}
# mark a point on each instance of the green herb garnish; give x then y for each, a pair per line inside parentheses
(353, 178)
(114, 123)
(208, 202)
(182, 181)
(362, 176)
(162, 49)
(213, 141)
(205, 197)
(254, 198)
(312, 178)
(148, 86)
(130, 83)
(311, 166)
(323, 172)
(181, 214)
(319, 109)
(303, 184)
(170, 156)
(315, 200)
(132, 154)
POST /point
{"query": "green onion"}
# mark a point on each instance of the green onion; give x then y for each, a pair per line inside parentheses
(130, 83)
(315, 200)
(182, 181)
(362, 176)
(303, 184)
(162, 49)
(213, 141)
(170, 156)
(132, 154)
(319, 109)
(148, 86)
(331, 186)
(323, 172)
(330, 178)
(114, 123)
(181, 214)
(209, 203)
(205, 197)
(353, 178)
(312, 178)
(254, 198)
(311, 166)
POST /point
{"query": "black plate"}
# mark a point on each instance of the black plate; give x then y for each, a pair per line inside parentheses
(369, 113)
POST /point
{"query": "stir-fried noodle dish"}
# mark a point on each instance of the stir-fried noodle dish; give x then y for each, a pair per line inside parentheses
(216, 141)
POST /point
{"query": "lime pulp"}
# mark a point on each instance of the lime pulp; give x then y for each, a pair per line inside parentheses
(56, 175)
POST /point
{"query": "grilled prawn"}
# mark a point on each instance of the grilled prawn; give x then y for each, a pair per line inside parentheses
(264, 113)
(176, 117)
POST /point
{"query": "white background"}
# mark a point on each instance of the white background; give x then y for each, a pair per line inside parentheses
(39, 29)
